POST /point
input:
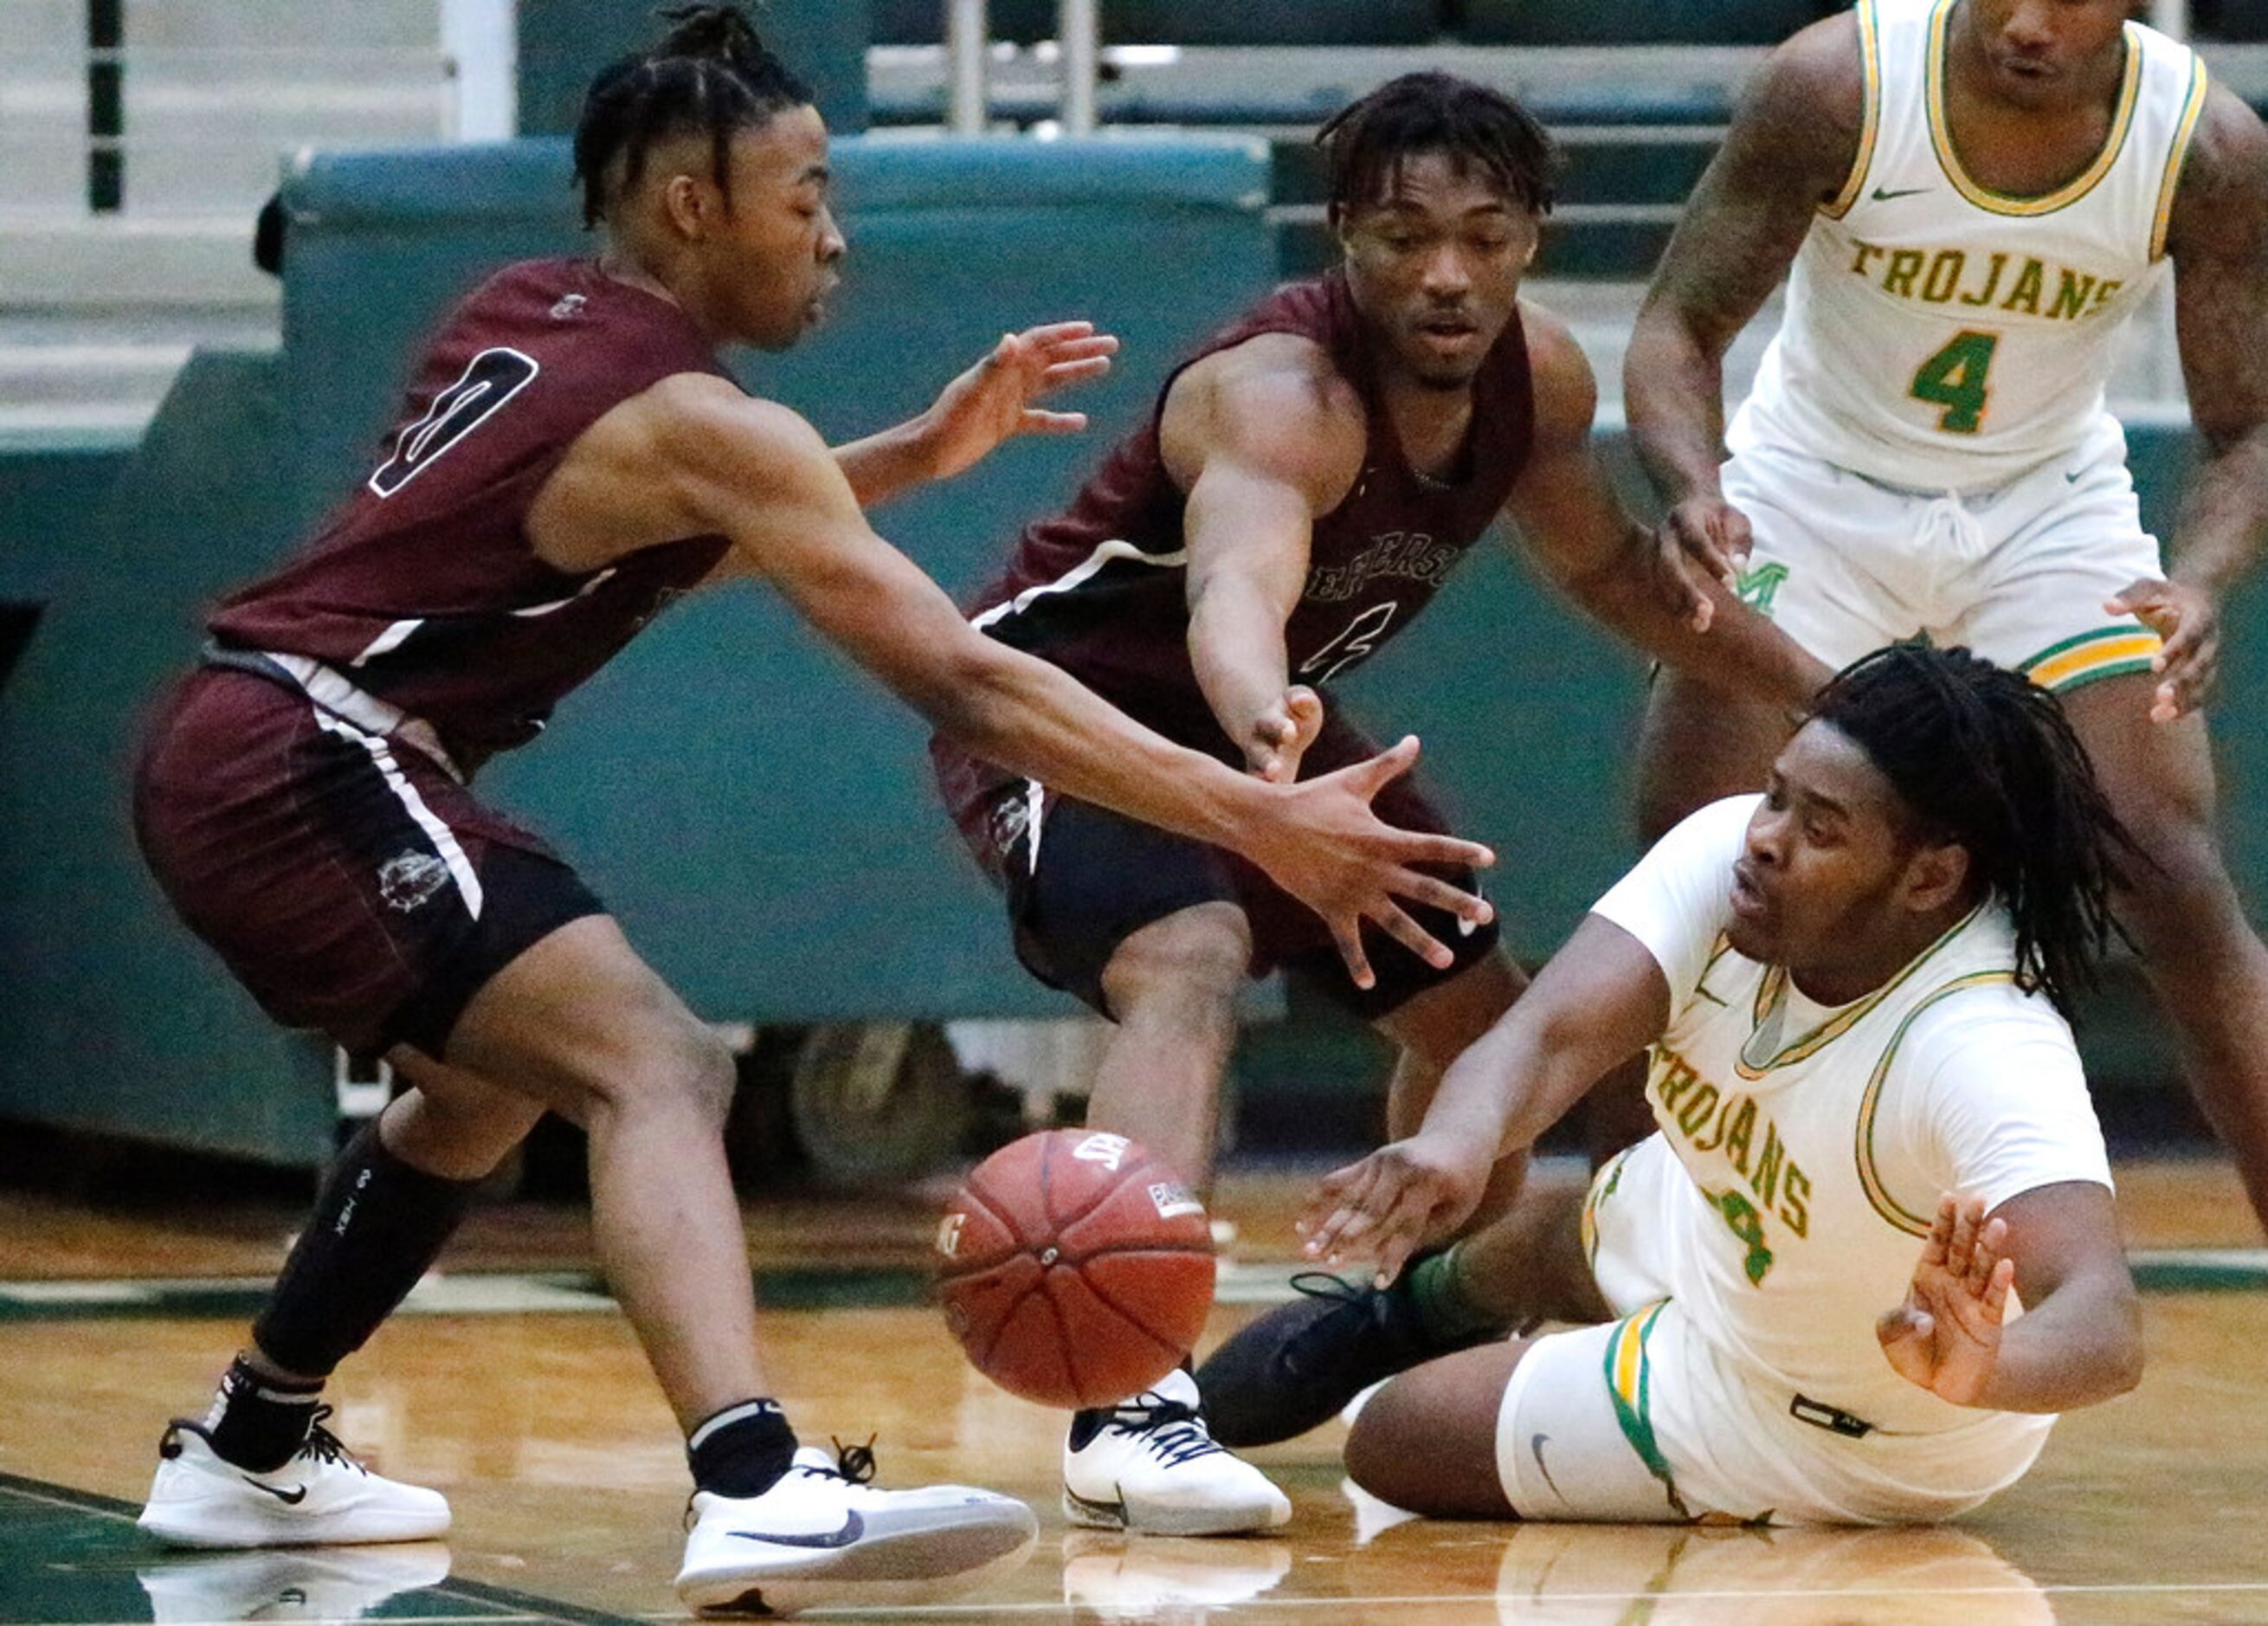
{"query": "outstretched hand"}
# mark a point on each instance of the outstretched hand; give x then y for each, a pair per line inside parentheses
(1281, 735)
(1396, 1200)
(1702, 538)
(1946, 1336)
(994, 401)
(2188, 620)
(1324, 845)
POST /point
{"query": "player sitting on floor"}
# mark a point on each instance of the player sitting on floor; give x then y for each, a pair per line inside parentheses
(1855, 989)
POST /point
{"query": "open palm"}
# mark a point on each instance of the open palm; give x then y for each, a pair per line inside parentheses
(1946, 1336)
(995, 400)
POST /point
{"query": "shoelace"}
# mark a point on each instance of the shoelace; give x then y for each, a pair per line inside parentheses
(326, 1446)
(1348, 1296)
(1171, 1430)
(853, 1463)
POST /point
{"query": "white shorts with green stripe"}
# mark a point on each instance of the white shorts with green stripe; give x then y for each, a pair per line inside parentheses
(1645, 1419)
(2018, 572)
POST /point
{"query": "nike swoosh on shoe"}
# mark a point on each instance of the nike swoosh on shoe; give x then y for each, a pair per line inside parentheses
(290, 1498)
(853, 1528)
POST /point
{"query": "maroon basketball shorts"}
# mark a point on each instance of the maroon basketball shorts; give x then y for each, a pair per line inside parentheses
(349, 880)
(1079, 880)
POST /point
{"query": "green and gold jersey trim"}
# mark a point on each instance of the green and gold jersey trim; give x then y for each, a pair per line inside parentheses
(1941, 133)
(1870, 1179)
(2089, 657)
(1603, 1186)
(1772, 989)
(1870, 54)
(2177, 160)
(1630, 1383)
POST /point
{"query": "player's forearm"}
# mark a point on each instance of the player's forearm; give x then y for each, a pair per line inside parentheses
(2224, 520)
(881, 465)
(1237, 650)
(1511, 1083)
(2079, 1347)
(1038, 721)
(1674, 397)
(1742, 652)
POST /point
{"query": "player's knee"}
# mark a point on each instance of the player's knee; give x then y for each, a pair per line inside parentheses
(680, 1066)
(1387, 1450)
(1196, 957)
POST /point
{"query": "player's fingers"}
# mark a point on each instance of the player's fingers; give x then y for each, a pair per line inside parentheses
(1036, 421)
(1994, 1299)
(1076, 371)
(1347, 938)
(1047, 335)
(1375, 773)
(1985, 1257)
(1939, 1248)
(1405, 929)
(1435, 893)
(1702, 542)
(1681, 580)
(1420, 847)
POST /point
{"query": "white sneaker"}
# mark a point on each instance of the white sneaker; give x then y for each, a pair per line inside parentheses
(822, 1536)
(340, 1585)
(1149, 1464)
(321, 1497)
(1131, 1577)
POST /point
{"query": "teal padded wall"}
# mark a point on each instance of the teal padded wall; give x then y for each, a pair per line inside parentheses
(112, 1017)
(563, 43)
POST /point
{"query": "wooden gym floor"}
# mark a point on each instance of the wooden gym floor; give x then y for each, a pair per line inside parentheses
(512, 1384)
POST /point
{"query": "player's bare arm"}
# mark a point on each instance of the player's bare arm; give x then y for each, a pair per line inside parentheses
(1572, 524)
(1263, 437)
(2056, 1248)
(993, 401)
(1598, 1000)
(712, 461)
(2218, 239)
(1791, 149)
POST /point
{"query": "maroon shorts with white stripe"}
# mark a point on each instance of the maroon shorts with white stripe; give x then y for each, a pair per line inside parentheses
(350, 882)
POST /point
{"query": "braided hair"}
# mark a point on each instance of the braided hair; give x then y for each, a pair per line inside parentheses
(710, 73)
(1983, 757)
(1365, 143)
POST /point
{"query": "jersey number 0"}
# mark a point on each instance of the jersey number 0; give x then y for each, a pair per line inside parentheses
(488, 381)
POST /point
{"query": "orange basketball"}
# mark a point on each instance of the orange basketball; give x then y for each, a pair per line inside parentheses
(1076, 1269)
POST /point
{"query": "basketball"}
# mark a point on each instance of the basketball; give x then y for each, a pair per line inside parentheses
(1075, 1268)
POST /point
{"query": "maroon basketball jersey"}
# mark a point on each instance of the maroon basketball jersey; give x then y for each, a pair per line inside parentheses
(1099, 589)
(422, 589)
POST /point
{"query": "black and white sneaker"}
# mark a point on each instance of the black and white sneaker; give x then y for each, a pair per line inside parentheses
(1149, 1464)
(1295, 1368)
(287, 1584)
(322, 1497)
(822, 1536)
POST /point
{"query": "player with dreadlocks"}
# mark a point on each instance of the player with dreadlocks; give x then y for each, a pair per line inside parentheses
(1305, 484)
(572, 456)
(1855, 990)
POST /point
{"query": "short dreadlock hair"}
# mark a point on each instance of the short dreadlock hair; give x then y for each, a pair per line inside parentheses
(710, 75)
(1983, 757)
(1365, 143)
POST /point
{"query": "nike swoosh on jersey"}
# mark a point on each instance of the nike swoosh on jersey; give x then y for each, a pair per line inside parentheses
(1882, 196)
(289, 1498)
(853, 1528)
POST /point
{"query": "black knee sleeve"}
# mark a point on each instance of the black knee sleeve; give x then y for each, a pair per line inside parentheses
(379, 1224)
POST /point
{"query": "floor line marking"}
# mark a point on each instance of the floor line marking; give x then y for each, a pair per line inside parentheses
(519, 1605)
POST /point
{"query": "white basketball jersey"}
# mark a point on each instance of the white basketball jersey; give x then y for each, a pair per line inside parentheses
(1819, 1140)
(1941, 335)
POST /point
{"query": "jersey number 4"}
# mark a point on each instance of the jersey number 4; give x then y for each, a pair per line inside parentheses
(1954, 378)
(488, 381)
